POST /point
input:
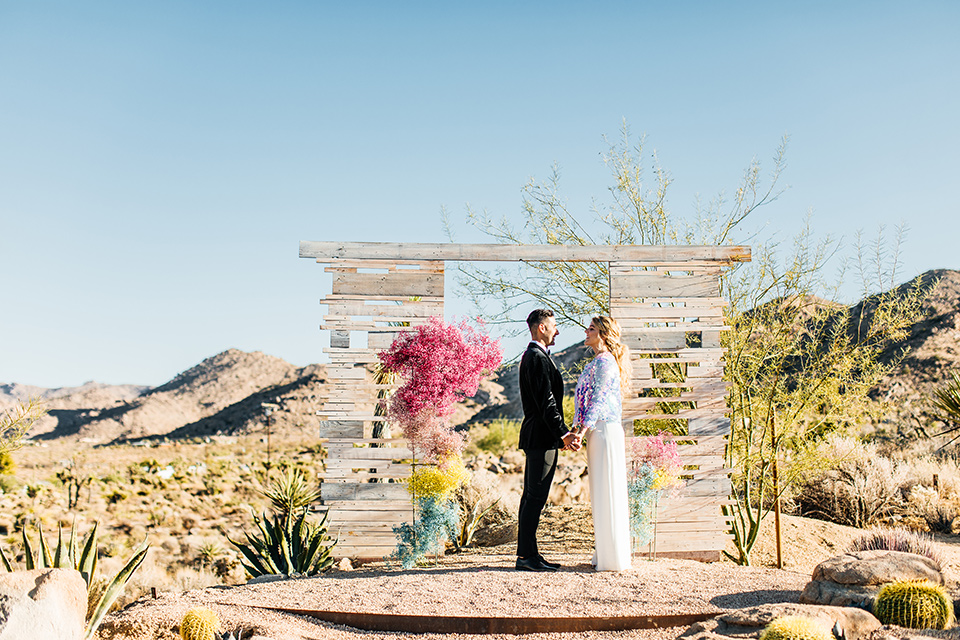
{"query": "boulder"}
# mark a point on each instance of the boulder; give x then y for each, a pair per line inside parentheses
(42, 603)
(854, 579)
(750, 622)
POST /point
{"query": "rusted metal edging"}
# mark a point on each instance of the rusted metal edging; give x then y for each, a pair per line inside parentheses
(491, 625)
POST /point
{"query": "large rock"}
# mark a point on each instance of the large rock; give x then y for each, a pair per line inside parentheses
(749, 623)
(42, 603)
(854, 579)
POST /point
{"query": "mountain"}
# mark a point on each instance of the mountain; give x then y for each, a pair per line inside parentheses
(90, 394)
(224, 393)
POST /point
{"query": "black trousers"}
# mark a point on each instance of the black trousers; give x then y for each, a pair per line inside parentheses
(537, 478)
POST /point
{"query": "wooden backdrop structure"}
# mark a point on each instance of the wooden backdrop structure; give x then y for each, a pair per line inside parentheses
(667, 300)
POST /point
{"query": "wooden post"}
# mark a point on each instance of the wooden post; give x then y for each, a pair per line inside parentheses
(776, 490)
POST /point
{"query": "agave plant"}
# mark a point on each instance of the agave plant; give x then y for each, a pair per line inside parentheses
(82, 557)
(286, 546)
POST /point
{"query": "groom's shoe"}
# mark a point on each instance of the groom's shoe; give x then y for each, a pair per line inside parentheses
(553, 566)
(532, 564)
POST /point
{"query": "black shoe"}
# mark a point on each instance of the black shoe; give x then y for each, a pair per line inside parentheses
(532, 564)
(553, 566)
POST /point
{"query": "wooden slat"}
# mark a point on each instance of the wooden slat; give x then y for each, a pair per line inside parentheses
(647, 284)
(352, 356)
(404, 283)
(345, 415)
(367, 453)
(340, 429)
(371, 491)
(390, 265)
(511, 252)
(409, 309)
(383, 504)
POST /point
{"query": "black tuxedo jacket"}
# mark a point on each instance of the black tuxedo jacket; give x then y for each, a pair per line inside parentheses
(541, 393)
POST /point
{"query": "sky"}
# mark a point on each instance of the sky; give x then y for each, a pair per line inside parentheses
(161, 161)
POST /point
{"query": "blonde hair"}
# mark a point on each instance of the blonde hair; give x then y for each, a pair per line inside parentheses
(609, 331)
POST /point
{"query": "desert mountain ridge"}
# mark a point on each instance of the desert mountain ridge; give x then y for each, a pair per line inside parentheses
(224, 394)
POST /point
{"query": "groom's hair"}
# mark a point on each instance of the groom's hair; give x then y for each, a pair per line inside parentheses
(537, 316)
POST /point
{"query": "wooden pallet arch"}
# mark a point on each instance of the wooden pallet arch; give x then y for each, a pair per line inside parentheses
(667, 300)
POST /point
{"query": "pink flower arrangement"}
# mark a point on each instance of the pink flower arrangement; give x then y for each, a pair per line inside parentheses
(440, 364)
(660, 456)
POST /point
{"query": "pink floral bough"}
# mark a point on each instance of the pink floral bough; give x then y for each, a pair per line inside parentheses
(440, 363)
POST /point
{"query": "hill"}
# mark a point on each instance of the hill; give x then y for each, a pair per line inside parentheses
(223, 394)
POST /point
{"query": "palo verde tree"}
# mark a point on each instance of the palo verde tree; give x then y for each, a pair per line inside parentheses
(797, 363)
(15, 422)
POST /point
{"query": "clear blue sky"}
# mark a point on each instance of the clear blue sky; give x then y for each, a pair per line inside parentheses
(160, 161)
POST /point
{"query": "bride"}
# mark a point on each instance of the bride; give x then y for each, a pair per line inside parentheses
(603, 382)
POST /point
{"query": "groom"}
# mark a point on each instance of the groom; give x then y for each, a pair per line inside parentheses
(542, 434)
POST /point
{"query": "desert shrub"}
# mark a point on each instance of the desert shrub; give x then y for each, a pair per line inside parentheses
(940, 515)
(7, 465)
(899, 540)
(9, 484)
(937, 511)
(500, 436)
(477, 499)
(860, 488)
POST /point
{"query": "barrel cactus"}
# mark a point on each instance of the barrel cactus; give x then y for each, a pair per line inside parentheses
(916, 604)
(199, 624)
(796, 628)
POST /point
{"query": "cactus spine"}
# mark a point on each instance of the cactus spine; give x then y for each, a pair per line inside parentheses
(199, 624)
(916, 604)
(796, 628)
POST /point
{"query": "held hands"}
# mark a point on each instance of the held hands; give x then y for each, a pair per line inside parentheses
(572, 441)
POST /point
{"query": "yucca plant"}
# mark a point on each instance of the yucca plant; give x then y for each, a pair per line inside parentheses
(286, 546)
(291, 493)
(946, 400)
(82, 557)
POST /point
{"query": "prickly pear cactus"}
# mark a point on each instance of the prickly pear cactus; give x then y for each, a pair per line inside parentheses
(796, 628)
(916, 604)
(199, 624)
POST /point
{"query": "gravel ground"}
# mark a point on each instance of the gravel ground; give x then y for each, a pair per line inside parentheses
(482, 582)
(475, 584)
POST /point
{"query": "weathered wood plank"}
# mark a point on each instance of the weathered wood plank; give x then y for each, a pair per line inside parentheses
(389, 265)
(399, 312)
(709, 425)
(363, 491)
(673, 254)
(404, 283)
(648, 284)
(370, 453)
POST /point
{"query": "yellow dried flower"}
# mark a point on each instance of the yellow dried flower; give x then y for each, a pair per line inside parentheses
(438, 481)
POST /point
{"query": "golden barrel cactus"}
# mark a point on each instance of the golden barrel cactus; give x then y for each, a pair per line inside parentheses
(916, 604)
(199, 624)
(796, 628)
